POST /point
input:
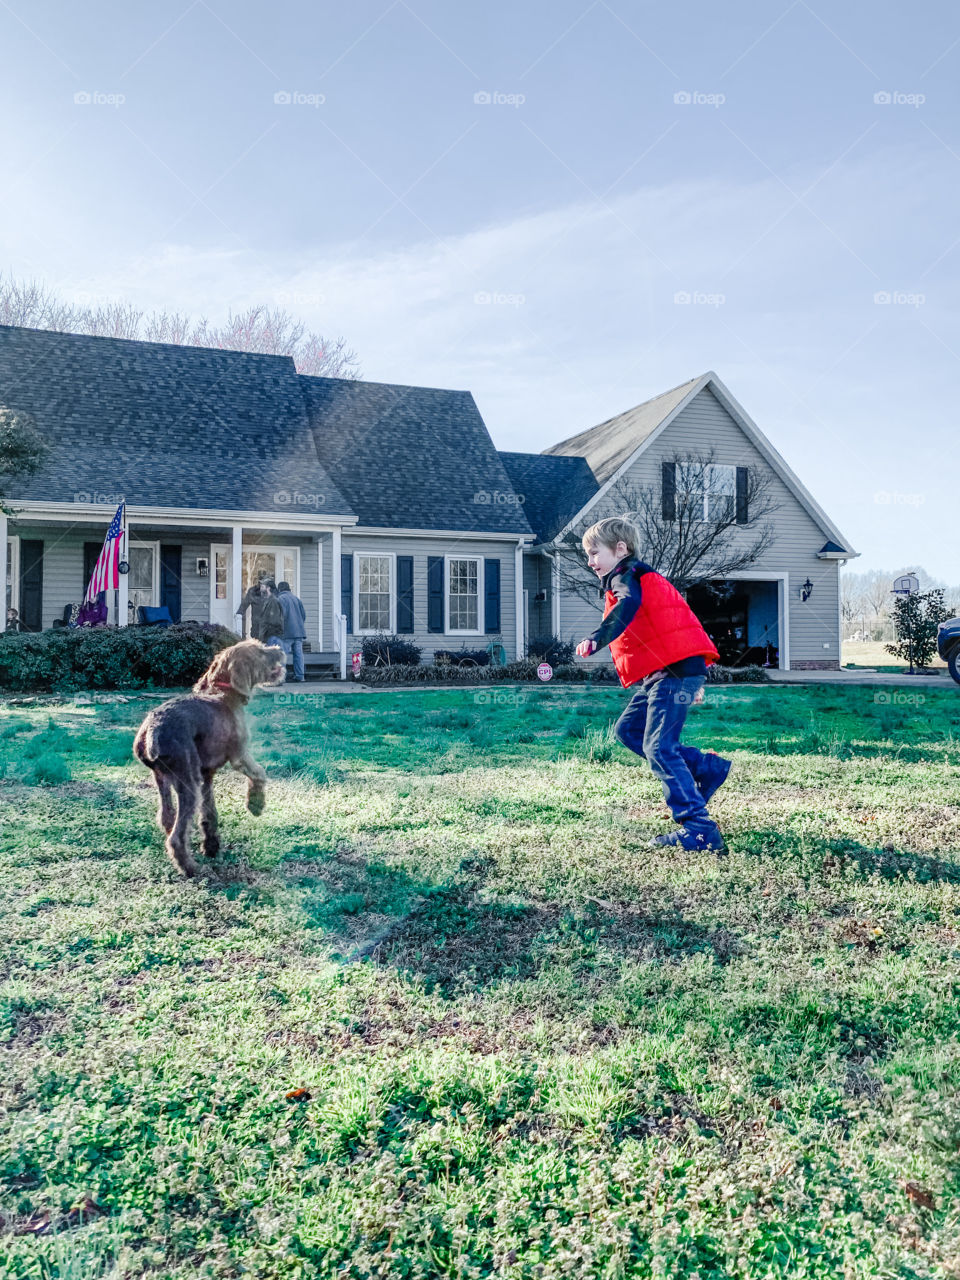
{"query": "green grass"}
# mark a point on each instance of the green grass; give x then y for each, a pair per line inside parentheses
(527, 1045)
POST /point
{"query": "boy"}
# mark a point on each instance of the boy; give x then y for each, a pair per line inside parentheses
(657, 643)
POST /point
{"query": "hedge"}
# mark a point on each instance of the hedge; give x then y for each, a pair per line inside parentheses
(110, 657)
(568, 673)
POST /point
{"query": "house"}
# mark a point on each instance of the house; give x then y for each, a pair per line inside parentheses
(783, 609)
(386, 508)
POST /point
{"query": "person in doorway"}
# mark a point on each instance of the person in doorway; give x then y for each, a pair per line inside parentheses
(294, 628)
(266, 619)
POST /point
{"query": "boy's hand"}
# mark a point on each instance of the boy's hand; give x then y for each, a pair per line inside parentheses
(585, 648)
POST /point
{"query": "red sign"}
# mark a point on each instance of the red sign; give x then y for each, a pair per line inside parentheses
(545, 671)
(357, 658)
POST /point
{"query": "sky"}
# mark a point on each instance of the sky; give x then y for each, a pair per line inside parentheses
(564, 207)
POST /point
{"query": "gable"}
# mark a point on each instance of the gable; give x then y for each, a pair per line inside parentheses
(706, 417)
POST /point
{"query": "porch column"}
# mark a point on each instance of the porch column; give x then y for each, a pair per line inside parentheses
(339, 640)
(555, 594)
(320, 593)
(518, 597)
(123, 579)
(3, 543)
(236, 575)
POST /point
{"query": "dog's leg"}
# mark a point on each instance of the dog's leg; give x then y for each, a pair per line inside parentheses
(178, 841)
(256, 794)
(208, 816)
(167, 813)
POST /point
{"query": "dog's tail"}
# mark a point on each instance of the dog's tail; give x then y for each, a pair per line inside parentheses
(159, 745)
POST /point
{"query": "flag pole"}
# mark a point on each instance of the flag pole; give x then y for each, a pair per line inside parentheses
(123, 579)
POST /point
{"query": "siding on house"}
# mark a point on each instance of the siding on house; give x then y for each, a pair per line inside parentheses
(422, 548)
(814, 627)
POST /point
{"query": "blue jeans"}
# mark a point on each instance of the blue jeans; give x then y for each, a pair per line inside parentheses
(651, 726)
(294, 649)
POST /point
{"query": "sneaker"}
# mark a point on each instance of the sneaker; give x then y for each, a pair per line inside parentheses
(707, 838)
(720, 770)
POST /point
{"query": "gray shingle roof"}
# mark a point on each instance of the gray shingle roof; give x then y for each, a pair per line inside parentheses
(411, 457)
(553, 488)
(608, 446)
(165, 425)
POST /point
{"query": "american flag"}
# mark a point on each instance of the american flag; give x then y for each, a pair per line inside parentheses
(106, 573)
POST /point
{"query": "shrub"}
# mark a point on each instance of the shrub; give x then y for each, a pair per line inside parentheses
(110, 657)
(551, 649)
(462, 658)
(389, 649)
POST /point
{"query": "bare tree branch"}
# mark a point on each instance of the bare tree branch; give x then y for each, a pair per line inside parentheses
(687, 549)
(258, 329)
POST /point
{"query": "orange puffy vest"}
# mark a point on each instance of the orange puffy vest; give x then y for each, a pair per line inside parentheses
(664, 630)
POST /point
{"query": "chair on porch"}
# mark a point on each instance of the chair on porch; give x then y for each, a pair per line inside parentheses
(153, 616)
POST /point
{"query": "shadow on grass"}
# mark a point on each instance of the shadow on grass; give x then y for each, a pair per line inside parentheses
(460, 934)
(834, 855)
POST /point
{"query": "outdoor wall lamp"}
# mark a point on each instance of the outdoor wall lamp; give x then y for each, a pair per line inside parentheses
(203, 567)
(806, 591)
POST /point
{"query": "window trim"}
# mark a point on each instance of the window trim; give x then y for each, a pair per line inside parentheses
(447, 629)
(13, 541)
(392, 592)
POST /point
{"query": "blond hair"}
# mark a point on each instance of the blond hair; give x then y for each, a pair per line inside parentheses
(609, 532)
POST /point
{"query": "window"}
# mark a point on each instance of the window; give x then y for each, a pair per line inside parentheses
(711, 489)
(220, 567)
(374, 576)
(143, 579)
(463, 594)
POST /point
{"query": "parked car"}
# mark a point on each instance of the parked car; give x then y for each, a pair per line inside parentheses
(948, 645)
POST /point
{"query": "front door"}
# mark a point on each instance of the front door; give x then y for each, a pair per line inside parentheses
(280, 563)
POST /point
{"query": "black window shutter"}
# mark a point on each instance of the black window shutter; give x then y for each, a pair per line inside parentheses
(491, 595)
(669, 490)
(91, 554)
(346, 590)
(404, 594)
(435, 593)
(742, 477)
(170, 580)
(31, 584)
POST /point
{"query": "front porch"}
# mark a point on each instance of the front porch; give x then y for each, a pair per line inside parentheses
(198, 568)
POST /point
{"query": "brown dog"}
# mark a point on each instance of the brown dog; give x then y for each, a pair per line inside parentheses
(185, 741)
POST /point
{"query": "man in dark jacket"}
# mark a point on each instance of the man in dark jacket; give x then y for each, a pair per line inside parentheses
(266, 616)
(294, 628)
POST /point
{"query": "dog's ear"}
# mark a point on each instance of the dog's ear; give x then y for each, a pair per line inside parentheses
(236, 666)
(243, 666)
(217, 670)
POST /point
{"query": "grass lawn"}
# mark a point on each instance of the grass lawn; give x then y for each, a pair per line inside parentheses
(440, 1012)
(873, 655)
